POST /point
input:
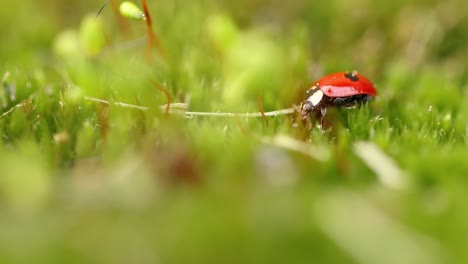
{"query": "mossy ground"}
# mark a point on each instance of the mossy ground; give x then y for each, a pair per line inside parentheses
(82, 181)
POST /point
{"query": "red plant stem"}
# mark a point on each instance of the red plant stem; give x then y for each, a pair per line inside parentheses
(260, 109)
(103, 117)
(123, 24)
(166, 92)
(152, 38)
(242, 128)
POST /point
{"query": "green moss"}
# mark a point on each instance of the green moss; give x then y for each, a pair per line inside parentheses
(86, 177)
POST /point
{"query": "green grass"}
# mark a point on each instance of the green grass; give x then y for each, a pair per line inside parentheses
(87, 182)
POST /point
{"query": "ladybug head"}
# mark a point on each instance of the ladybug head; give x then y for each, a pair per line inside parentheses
(314, 99)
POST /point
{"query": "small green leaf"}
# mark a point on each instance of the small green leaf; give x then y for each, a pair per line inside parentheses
(67, 44)
(91, 35)
(130, 10)
(223, 31)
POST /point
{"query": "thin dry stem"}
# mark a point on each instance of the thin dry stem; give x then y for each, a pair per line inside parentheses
(125, 105)
(180, 108)
(286, 111)
(9, 111)
(175, 108)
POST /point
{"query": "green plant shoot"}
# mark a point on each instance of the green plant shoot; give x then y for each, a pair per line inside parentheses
(130, 10)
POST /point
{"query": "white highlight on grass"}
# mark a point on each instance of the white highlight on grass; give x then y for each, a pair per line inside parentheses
(386, 169)
(370, 235)
(287, 142)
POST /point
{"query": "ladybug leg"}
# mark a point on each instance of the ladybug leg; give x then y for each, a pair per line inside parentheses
(357, 101)
(365, 99)
(351, 105)
(323, 112)
(347, 102)
(339, 101)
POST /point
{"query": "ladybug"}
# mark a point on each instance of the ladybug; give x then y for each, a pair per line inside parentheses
(347, 89)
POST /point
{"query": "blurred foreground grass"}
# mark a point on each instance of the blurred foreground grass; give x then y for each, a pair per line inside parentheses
(82, 181)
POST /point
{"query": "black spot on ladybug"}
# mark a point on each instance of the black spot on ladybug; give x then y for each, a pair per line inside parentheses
(351, 76)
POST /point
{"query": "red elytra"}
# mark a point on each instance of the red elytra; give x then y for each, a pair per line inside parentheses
(344, 84)
(346, 89)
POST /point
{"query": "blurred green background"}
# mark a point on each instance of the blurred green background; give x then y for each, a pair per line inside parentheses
(89, 182)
